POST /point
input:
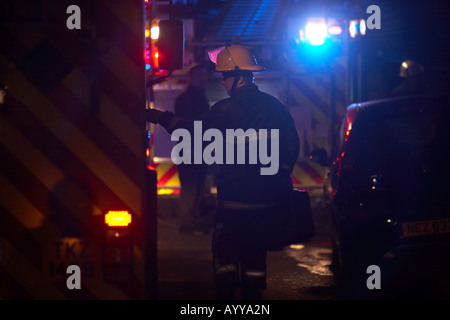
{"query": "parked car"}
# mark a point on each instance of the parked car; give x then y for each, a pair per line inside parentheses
(388, 186)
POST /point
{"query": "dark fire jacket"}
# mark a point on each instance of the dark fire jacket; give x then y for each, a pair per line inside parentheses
(249, 108)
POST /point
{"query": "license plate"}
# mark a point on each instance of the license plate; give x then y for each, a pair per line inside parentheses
(426, 227)
(64, 252)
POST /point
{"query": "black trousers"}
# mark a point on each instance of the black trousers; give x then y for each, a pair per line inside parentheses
(238, 260)
(192, 179)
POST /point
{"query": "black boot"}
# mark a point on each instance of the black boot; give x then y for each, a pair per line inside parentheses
(251, 293)
(225, 293)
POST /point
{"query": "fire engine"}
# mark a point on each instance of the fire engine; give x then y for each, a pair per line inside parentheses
(78, 193)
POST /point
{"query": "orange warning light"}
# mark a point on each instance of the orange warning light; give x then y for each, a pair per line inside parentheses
(118, 218)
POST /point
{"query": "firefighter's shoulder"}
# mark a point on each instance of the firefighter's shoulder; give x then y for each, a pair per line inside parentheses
(221, 105)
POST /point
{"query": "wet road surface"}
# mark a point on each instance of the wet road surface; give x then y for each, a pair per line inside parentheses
(185, 268)
(299, 272)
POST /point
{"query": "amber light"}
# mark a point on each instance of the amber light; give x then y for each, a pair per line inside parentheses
(118, 218)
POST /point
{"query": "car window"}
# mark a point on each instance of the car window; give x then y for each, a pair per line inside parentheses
(389, 139)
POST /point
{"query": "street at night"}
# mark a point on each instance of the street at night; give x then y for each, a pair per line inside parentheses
(210, 151)
(299, 272)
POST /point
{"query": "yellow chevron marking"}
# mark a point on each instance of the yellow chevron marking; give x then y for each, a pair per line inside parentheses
(78, 84)
(18, 266)
(300, 174)
(321, 170)
(14, 201)
(174, 181)
(121, 65)
(302, 100)
(75, 140)
(38, 164)
(128, 13)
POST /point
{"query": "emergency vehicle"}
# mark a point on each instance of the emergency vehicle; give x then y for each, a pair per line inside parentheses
(77, 190)
(316, 93)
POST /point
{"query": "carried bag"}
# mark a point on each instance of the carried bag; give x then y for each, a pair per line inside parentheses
(301, 224)
(296, 225)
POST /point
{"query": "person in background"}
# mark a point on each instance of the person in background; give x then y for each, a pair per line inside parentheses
(191, 104)
(412, 74)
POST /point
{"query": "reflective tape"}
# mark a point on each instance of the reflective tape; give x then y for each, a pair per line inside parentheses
(237, 205)
(255, 274)
(167, 175)
(226, 268)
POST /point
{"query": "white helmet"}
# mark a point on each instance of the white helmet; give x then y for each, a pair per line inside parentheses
(233, 58)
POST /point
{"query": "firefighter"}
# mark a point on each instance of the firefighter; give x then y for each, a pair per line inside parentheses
(412, 73)
(192, 104)
(251, 211)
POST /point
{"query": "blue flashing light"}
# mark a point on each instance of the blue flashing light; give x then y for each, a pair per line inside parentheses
(316, 33)
(318, 42)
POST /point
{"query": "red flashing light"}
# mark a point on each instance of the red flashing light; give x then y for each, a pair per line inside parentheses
(156, 59)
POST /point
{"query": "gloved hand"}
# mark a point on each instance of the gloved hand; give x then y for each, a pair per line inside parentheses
(153, 115)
